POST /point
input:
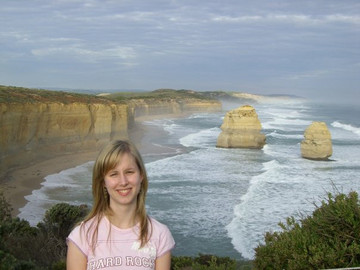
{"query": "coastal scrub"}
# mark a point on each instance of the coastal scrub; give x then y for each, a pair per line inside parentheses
(329, 238)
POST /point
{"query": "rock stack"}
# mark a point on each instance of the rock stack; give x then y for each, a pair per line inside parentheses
(317, 144)
(241, 129)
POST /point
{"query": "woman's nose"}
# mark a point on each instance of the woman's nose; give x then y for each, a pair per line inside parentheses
(123, 179)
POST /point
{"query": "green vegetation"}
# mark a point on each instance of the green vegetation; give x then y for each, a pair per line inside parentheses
(12, 94)
(330, 238)
(161, 94)
(211, 262)
(43, 247)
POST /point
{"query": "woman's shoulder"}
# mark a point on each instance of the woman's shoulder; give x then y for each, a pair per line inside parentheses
(156, 223)
(162, 236)
(89, 224)
(157, 226)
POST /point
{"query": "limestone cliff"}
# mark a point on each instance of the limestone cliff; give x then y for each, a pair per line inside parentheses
(166, 101)
(317, 143)
(38, 124)
(41, 130)
(153, 107)
(241, 129)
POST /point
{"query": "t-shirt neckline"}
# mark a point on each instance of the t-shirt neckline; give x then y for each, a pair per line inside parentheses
(120, 229)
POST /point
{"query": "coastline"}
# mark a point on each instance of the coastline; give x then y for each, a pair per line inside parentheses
(21, 181)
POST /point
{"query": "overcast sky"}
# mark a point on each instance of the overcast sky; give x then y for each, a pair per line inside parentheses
(309, 48)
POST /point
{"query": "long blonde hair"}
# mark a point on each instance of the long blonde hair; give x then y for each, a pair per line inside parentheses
(107, 160)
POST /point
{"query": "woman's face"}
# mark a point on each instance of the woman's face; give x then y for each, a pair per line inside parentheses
(123, 183)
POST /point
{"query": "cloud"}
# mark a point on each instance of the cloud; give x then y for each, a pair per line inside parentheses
(343, 18)
(246, 19)
(87, 55)
(289, 18)
(258, 44)
(308, 74)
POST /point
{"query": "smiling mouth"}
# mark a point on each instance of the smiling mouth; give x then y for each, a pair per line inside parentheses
(123, 192)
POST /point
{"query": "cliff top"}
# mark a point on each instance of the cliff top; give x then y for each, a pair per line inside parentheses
(12, 94)
(161, 94)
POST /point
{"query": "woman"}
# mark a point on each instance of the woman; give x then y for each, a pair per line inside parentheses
(117, 233)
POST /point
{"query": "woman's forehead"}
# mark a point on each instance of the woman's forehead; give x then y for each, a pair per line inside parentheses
(123, 159)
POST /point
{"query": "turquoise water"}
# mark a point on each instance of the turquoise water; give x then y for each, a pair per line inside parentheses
(222, 201)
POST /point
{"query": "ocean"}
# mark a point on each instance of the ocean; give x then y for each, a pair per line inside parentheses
(222, 201)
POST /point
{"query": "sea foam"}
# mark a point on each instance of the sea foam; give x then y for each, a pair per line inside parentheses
(72, 186)
(347, 127)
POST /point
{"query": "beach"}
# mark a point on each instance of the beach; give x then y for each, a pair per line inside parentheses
(21, 181)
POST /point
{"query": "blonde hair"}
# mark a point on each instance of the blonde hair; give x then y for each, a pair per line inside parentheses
(107, 160)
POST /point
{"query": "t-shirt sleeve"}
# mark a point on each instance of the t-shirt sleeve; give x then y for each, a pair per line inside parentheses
(166, 241)
(77, 236)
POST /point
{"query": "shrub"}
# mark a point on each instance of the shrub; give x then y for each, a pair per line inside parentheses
(181, 262)
(5, 208)
(61, 218)
(41, 247)
(327, 239)
(204, 262)
(56, 226)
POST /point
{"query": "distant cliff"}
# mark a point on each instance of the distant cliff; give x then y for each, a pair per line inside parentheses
(154, 107)
(38, 124)
(166, 101)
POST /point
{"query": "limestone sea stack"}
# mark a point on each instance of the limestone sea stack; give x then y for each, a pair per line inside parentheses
(241, 129)
(317, 144)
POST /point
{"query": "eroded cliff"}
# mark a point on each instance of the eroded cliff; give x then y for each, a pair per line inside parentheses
(33, 131)
(37, 124)
(154, 107)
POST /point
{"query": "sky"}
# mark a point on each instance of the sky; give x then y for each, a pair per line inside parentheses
(309, 48)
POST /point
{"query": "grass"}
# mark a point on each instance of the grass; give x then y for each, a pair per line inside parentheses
(161, 94)
(12, 94)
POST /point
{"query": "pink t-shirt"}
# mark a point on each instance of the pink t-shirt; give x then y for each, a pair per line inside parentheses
(121, 249)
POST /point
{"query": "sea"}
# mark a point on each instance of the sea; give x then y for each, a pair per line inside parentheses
(223, 201)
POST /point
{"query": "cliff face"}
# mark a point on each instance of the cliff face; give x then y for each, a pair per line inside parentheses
(36, 125)
(153, 107)
(241, 129)
(41, 130)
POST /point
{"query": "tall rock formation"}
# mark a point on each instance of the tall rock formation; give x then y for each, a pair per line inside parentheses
(241, 129)
(317, 144)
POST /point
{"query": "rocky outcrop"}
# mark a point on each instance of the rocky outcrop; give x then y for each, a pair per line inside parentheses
(241, 129)
(33, 131)
(317, 144)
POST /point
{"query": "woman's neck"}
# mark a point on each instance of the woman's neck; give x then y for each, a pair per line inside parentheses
(123, 218)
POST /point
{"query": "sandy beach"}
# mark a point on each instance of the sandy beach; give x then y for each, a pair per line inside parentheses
(23, 180)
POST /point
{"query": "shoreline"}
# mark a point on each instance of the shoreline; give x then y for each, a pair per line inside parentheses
(22, 181)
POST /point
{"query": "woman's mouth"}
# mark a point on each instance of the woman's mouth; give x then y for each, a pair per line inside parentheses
(123, 192)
